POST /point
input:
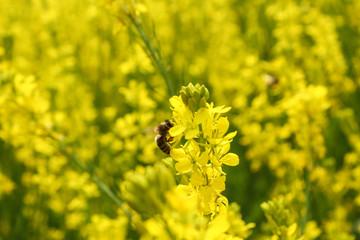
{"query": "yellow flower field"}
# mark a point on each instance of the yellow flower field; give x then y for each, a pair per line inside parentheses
(255, 106)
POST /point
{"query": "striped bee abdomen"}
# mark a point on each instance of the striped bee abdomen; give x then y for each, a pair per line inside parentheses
(163, 144)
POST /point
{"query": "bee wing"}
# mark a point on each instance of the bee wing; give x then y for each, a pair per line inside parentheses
(147, 130)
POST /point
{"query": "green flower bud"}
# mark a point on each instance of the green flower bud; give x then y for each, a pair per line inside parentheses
(194, 96)
(192, 105)
(184, 98)
(204, 92)
(152, 183)
(202, 103)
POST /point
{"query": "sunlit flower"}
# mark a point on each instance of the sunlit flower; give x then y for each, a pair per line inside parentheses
(206, 148)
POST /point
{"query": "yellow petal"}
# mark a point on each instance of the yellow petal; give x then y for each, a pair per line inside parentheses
(183, 166)
(222, 126)
(230, 135)
(197, 179)
(292, 230)
(217, 227)
(225, 148)
(155, 228)
(201, 115)
(203, 159)
(177, 130)
(141, 7)
(230, 159)
(215, 162)
(221, 109)
(207, 193)
(192, 133)
(186, 114)
(207, 128)
(178, 154)
(219, 183)
(176, 102)
(215, 141)
(194, 148)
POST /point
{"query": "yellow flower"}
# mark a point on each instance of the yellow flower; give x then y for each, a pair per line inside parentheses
(217, 227)
(186, 161)
(202, 125)
(6, 185)
(186, 122)
(198, 178)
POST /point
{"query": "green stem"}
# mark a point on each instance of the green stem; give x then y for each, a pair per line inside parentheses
(102, 186)
(307, 181)
(154, 54)
(307, 201)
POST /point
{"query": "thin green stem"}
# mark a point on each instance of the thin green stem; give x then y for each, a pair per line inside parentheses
(307, 201)
(101, 185)
(307, 181)
(154, 54)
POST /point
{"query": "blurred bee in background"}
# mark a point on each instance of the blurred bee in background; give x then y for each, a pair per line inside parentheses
(270, 80)
(163, 138)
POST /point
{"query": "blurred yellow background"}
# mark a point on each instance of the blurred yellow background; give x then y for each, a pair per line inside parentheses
(82, 82)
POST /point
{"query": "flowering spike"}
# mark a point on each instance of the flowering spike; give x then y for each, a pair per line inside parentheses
(206, 149)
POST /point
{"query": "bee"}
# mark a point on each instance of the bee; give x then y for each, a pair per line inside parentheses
(270, 80)
(163, 138)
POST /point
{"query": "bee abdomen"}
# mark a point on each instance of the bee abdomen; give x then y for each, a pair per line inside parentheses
(162, 143)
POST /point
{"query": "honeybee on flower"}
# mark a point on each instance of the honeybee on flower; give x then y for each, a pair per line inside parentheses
(206, 146)
(163, 138)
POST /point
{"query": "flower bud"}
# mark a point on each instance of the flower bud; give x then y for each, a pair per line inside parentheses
(194, 97)
(204, 92)
(152, 183)
(184, 97)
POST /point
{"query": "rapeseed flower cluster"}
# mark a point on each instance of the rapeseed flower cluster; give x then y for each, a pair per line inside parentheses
(194, 208)
(206, 147)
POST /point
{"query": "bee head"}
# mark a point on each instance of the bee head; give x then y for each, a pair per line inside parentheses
(169, 124)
